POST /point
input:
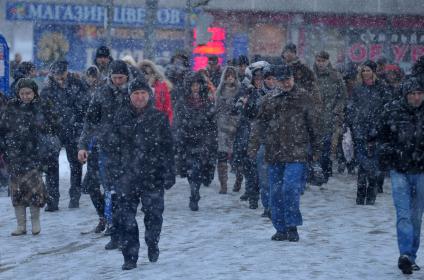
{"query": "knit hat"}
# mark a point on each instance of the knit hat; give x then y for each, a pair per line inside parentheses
(323, 54)
(290, 47)
(269, 71)
(58, 67)
(411, 85)
(102, 51)
(118, 67)
(371, 64)
(242, 60)
(26, 83)
(139, 84)
(283, 72)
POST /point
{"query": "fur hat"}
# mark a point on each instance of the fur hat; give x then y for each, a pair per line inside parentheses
(283, 72)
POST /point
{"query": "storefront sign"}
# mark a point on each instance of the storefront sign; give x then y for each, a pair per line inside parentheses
(4, 66)
(91, 14)
(402, 47)
(78, 44)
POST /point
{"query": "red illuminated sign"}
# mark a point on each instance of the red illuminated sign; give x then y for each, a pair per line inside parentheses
(215, 46)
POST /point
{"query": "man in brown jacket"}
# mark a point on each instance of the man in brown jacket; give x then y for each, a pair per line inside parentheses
(292, 125)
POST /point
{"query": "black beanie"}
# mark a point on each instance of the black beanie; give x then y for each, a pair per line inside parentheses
(290, 47)
(118, 67)
(102, 51)
(59, 67)
(411, 85)
(26, 83)
(139, 84)
(371, 64)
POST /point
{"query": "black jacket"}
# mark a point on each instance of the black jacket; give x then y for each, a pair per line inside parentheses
(145, 149)
(99, 118)
(401, 134)
(69, 104)
(21, 128)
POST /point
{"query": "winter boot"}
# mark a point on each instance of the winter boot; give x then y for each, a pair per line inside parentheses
(253, 204)
(20, 213)
(35, 220)
(153, 253)
(266, 213)
(101, 226)
(223, 176)
(415, 267)
(279, 236)
(237, 183)
(112, 245)
(292, 234)
(51, 208)
(108, 230)
(244, 197)
(405, 264)
(73, 203)
(371, 193)
(128, 265)
(193, 204)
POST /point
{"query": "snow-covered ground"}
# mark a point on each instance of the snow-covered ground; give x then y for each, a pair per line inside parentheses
(224, 240)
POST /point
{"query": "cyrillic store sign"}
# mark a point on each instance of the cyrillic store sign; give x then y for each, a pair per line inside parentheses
(90, 14)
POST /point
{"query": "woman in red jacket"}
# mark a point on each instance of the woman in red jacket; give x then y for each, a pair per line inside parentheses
(160, 85)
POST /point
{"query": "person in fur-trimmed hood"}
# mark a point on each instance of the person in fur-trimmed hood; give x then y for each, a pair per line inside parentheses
(227, 90)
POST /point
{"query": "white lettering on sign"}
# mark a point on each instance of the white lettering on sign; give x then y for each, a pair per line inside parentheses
(163, 16)
(35, 11)
(68, 13)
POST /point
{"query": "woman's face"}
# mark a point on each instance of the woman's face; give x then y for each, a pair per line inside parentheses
(230, 78)
(195, 89)
(26, 95)
(367, 73)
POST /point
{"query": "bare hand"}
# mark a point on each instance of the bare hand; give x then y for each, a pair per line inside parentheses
(82, 156)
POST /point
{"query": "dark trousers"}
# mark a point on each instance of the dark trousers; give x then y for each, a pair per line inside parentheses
(152, 206)
(325, 161)
(367, 183)
(195, 177)
(52, 175)
(250, 172)
(91, 182)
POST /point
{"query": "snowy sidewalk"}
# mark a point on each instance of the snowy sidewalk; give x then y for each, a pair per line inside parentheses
(224, 240)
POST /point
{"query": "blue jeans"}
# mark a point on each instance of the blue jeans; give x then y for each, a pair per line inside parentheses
(286, 181)
(408, 197)
(262, 168)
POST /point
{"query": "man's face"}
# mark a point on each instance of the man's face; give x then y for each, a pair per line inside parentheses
(321, 63)
(286, 85)
(18, 57)
(270, 82)
(61, 78)
(26, 95)
(139, 99)
(415, 98)
(288, 56)
(103, 61)
(195, 89)
(213, 64)
(242, 69)
(119, 79)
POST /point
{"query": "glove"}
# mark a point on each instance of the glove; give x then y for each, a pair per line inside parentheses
(318, 177)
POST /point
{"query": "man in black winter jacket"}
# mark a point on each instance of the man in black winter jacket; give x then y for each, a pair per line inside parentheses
(98, 123)
(67, 97)
(145, 148)
(401, 133)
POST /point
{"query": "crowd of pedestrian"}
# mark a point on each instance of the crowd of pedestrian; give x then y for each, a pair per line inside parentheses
(278, 127)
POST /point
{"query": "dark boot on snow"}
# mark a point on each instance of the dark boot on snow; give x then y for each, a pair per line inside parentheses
(405, 264)
(292, 234)
(279, 236)
(101, 226)
(128, 265)
(153, 253)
